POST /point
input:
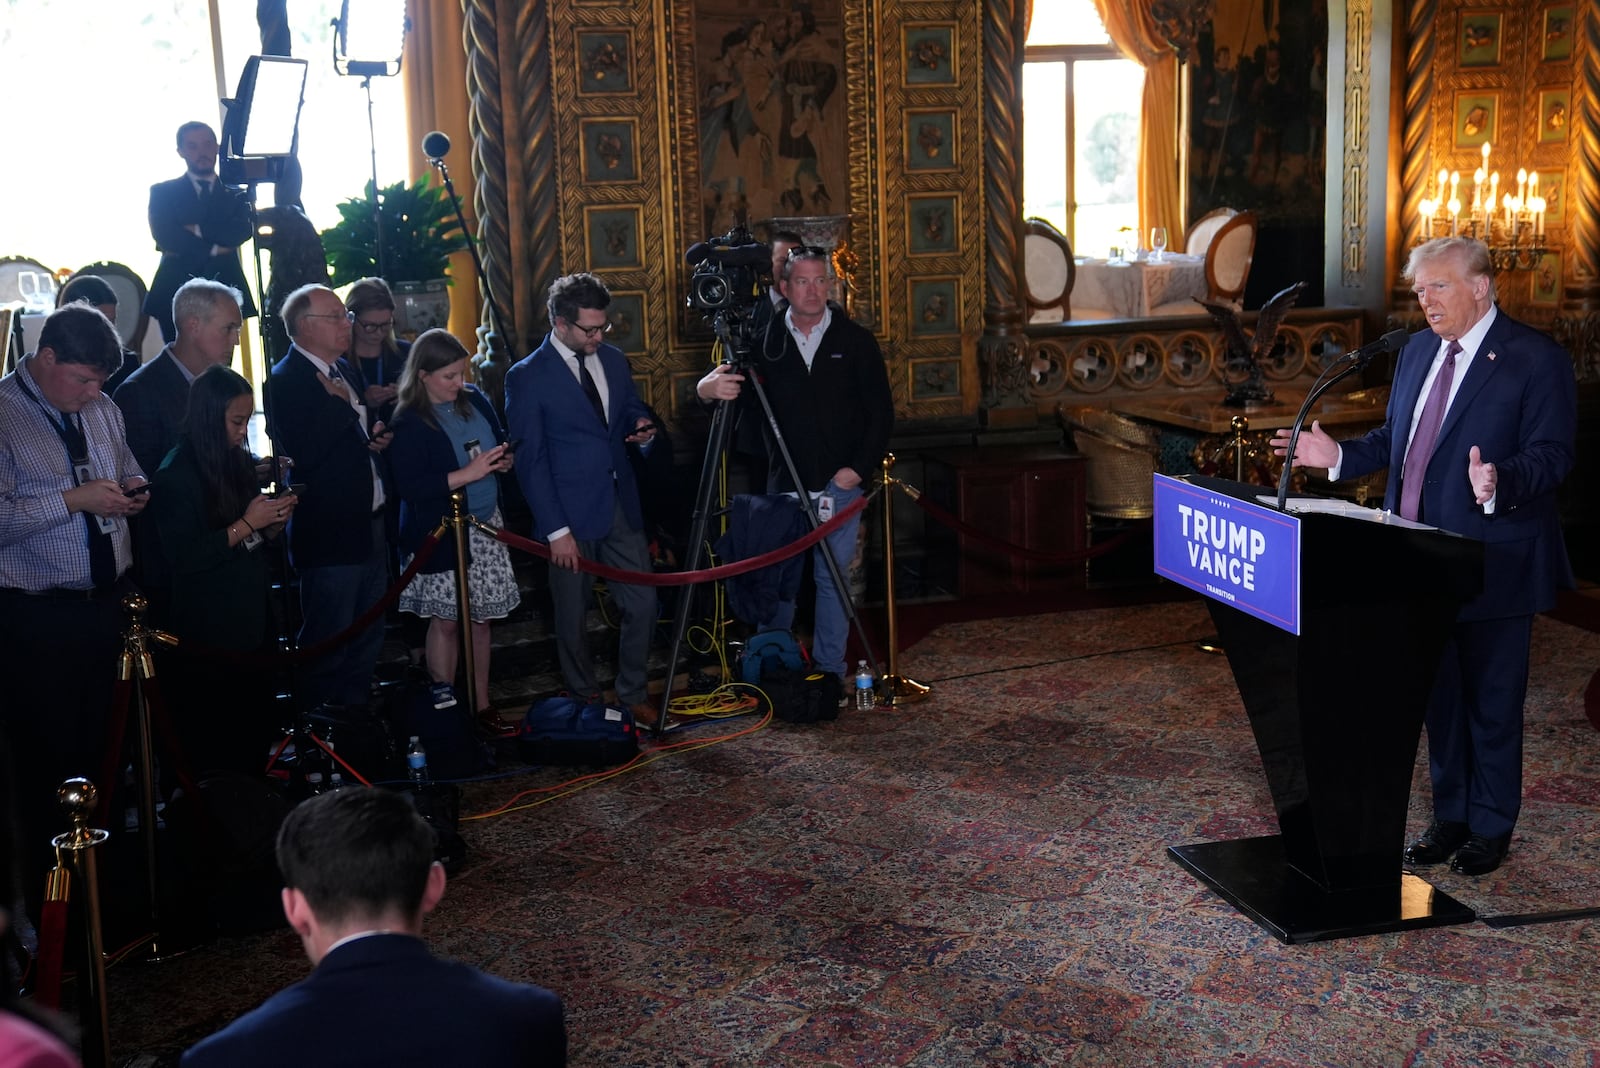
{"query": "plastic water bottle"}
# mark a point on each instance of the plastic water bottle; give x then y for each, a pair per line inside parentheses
(335, 782)
(866, 695)
(417, 761)
(314, 782)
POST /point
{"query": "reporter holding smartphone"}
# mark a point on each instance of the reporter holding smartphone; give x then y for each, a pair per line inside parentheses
(447, 438)
(212, 521)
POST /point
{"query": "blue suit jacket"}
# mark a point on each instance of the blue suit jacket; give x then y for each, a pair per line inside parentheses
(572, 469)
(332, 521)
(1518, 404)
(384, 1000)
(154, 400)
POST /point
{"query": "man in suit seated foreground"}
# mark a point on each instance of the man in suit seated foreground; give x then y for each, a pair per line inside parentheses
(359, 875)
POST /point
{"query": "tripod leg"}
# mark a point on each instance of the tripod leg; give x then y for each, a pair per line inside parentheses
(839, 584)
(716, 448)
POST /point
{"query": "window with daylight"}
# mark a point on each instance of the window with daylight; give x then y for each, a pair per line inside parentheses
(1080, 121)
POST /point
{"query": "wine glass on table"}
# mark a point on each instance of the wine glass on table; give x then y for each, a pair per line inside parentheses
(1158, 243)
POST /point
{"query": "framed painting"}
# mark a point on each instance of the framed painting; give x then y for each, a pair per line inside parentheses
(933, 306)
(611, 236)
(630, 330)
(1557, 32)
(1479, 43)
(1476, 114)
(933, 224)
(770, 117)
(1547, 279)
(934, 379)
(1553, 187)
(931, 138)
(1555, 110)
(605, 62)
(610, 150)
(928, 53)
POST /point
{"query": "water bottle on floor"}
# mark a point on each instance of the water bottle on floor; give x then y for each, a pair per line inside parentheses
(866, 695)
(417, 761)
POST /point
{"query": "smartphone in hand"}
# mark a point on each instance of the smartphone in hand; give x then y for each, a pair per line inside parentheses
(143, 487)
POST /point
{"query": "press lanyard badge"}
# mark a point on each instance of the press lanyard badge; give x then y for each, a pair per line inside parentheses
(825, 507)
(83, 471)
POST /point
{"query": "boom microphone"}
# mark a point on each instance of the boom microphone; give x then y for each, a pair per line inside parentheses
(436, 145)
(1393, 341)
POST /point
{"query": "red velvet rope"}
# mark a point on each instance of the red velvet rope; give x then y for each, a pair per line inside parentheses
(983, 538)
(709, 574)
(327, 645)
(48, 965)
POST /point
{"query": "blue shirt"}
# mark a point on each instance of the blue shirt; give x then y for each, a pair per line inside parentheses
(42, 545)
(483, 496)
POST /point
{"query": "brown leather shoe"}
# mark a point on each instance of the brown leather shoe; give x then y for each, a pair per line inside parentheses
(645, 714)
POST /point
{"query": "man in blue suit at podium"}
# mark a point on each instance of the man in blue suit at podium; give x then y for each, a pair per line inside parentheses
(1479, 434)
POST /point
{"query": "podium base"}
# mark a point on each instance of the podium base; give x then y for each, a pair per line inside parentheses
(1253, 875)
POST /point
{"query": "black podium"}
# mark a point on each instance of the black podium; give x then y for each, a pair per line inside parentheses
(1337, 715)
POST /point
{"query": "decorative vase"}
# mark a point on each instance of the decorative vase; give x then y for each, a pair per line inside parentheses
(420, 306)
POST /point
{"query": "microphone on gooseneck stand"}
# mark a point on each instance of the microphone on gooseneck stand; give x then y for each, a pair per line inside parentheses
(1348, 364)
(435, 146)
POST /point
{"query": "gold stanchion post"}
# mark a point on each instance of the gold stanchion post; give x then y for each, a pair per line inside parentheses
(894, 689)
(1240, 427)
(458, 524)
(134, 666)
(79, 797)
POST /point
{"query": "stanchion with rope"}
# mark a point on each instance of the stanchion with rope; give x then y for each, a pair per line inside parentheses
(136, 674)
(458, 523)
(75, 855)
(894, 689)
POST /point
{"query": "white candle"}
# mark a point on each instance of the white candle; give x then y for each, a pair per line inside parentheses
(1522, 182)
(1455, 215)
(1533, 184)
(1426, 209)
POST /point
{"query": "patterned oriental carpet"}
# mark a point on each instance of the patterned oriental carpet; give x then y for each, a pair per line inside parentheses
(982, 880)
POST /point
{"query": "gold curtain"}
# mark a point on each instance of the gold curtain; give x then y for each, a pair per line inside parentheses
(1134, 32)
(435, 74)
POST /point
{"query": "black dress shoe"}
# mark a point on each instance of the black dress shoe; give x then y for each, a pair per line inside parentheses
(1481, 855)
(1442, 838)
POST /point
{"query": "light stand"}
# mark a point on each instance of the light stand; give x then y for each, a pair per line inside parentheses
(436, 146)
(371, 21)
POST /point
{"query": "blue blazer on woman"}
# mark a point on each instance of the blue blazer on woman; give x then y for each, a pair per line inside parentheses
(421, 457)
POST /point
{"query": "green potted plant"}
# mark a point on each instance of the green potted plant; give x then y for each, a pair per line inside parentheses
(420, 233)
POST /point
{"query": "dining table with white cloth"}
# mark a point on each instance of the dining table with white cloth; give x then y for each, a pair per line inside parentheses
(1130, 289)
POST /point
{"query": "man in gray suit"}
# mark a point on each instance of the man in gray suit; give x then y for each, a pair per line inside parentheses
(156, 396)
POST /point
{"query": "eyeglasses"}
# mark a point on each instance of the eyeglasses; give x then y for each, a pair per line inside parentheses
(591, 331)
(348, 317)
(809, 252)
(373, 328)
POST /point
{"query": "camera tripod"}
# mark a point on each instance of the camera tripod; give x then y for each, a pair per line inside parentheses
(736, 354)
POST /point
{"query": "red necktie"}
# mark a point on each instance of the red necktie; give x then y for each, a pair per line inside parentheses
(1414, 472)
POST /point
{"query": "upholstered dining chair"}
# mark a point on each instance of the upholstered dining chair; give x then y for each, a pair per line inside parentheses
(1048, 272)
(132, 322)
(1228, 258)
(1205, 229)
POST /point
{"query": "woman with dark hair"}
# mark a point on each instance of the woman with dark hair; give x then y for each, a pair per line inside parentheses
(375, 353)
(447, 438)
(212, 520)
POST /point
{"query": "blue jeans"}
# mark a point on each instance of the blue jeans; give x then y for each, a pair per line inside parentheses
(831, 629)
